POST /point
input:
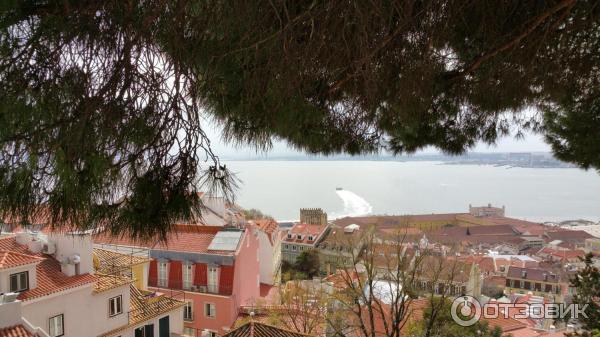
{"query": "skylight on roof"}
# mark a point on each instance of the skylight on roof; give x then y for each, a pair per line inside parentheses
(227, 241)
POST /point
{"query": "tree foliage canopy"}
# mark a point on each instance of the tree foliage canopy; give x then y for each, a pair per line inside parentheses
(102, 103)
(587, 282)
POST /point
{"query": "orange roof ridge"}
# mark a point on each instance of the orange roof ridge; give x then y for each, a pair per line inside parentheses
(10, 259)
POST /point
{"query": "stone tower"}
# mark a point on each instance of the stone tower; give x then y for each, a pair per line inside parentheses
(313, 216)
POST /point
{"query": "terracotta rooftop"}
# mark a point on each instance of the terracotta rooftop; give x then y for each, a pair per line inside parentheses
(507, 324)
(305, 230)
(50, 278)
(15, 331)
(562, 254)
(143, 309)
(569, 235)
(268, 226)
(442, 268)
(108, 282)
(533, 274)
(186, 238)
(257, 329)
(391, 221)
(477, 230)
(10, 259)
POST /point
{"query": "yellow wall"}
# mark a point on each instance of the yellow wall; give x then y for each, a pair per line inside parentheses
(138, 274)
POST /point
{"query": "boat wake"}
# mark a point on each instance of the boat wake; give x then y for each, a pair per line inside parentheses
(354, 205)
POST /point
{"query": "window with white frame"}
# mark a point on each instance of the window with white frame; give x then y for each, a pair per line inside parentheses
(210, 310)
(293, 248)
(290, 235)
(187, 276)
(188, 311)
(212, 333)
(162, 274)
(115, 305)
(56, 326)
(213, 279)
(19, 281)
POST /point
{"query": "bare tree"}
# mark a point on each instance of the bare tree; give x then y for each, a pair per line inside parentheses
(393, 277)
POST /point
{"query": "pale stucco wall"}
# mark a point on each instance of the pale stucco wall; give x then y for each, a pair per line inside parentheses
(68, 245)
(225, 308)
(5, 276)
(85, 313)
(266, 254)
(175, 324)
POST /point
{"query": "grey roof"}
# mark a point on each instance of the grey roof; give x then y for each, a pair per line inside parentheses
(225, 240)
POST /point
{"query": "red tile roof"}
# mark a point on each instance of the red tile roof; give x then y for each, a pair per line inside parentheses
(10, 259)
(50, 278)
(342, 279)
(569, 235)
(186, 238)
(15, 331)
(507, 324)
(305, 230)
(268, 226)
(533, 274)
(258, 329)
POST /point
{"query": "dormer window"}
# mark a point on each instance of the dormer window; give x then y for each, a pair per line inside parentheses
(19, 282)
(290, 236)
(299, 237)
(311, 238)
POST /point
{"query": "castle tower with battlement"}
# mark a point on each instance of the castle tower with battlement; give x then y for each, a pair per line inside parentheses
(313, 216)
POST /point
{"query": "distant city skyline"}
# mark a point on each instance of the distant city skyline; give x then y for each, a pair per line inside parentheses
(529, 143)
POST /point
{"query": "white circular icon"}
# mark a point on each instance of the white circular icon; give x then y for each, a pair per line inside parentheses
(466, 310)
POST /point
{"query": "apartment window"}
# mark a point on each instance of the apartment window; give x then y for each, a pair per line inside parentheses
(210, 310)
(188, 311)
(289, 236)
(286, 247)
(145, 331)
(57, 326)
(115, 305)
(187, 276)
(212, 333)
(213, 279)
(162, 274)
(187, 331)
(19, 281)
(310, 238)
(299, 237)
(293, 248)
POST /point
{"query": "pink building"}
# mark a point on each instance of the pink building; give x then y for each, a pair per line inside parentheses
(214, 269)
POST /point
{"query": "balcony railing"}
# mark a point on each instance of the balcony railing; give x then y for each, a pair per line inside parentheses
(225, 290)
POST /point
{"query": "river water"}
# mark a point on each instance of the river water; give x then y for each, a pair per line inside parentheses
(281, 188)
